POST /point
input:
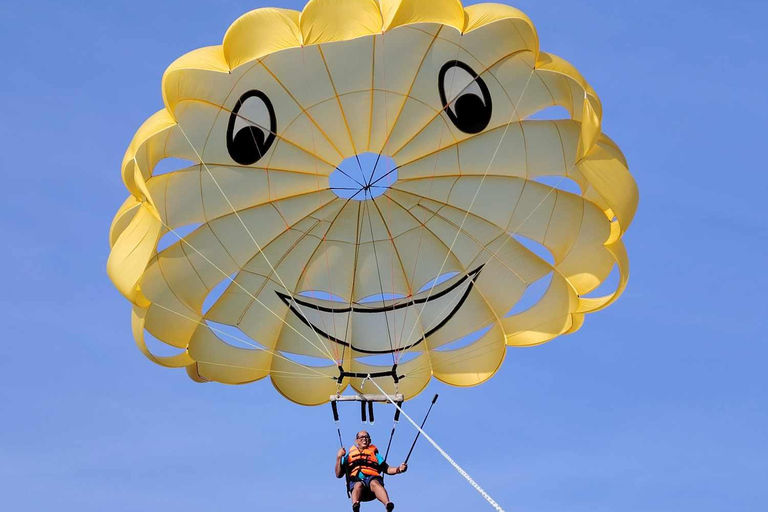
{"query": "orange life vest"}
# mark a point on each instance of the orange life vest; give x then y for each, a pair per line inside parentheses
(363, 460)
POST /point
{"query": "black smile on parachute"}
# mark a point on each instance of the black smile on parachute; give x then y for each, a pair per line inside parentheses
(404, 314)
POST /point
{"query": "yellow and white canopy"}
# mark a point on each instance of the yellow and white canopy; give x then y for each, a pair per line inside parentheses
(435, 249)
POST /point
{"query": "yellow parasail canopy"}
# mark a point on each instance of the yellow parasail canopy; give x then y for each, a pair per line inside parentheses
(437, 242)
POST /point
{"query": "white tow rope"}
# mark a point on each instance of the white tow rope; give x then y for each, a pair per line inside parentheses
(442, 452)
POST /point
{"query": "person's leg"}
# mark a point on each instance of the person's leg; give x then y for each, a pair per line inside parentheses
(357, 490)
(379, 491)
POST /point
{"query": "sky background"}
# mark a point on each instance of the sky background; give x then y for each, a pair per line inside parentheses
(657, 404)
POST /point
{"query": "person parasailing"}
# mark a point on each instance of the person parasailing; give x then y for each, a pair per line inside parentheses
(364, 466)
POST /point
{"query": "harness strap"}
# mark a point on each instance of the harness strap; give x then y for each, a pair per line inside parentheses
(363, 462)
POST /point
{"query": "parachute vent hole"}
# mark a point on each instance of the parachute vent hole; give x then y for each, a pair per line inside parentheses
(532, 295)
(536, 248)
(311, 361)
(217, 291)
(560, 183)
(464, 341)
(159, 348)
(314, 294)
(437, 281)
(551, 113)
(608, 286)
(170, 164)
(364, 176)
(171, 237)
(233, 336)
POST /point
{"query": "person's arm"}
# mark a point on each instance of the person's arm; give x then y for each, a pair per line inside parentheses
(339, 461)
(402, 468)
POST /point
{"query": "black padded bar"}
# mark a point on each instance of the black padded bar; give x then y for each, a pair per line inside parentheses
(397, 398)
(335, 411)
(391, 373)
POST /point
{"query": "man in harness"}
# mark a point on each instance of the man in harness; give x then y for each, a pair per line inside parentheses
(364, 466)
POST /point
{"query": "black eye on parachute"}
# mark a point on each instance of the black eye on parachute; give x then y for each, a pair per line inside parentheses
(466, 99)
(252, 127)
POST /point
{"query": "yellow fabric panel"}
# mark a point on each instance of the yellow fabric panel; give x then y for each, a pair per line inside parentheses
(200, 260)
(171, 322)
(259, 33)
(132, 251)
(398, 58)
(297, 338)
(508, 41)
(508, 268)
(137, 324)
(304, 132)
(221, 362)
(554, 64)
(123, 218)
(325, 21)
(329, 267)
(194, 375)
(210, 58)
(420, 248)
(577, 321)
(590, 126)
(237, 307)
(298, 385)
(549, 318)
(471, 365)
(592, 110)
(606, 169)
(357, 112)
(157, 126)
(588, 262)
(474, 314)
(309, 277)
(565, 226)
(619, 253)
(397, 13)
(480, 16)
(194, 195)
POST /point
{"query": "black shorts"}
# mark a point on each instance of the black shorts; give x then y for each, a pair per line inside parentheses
(366, 481)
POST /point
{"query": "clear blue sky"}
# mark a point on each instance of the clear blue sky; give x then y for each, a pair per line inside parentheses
(657, 404)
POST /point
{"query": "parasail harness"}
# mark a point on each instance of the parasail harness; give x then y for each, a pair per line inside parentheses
(366, 401)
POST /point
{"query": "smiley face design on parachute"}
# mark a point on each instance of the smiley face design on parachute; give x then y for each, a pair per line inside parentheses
(251, 131)
(366, 183)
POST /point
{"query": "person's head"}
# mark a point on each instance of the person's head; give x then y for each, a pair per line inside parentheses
(363, 439)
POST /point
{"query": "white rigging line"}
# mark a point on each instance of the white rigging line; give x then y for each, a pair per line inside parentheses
(314, 125)
(466, 214)
(442, 452)
(258, 247)
(404, 341)
(552, 189)
(274, 352)
(233, 281)
(381, 285)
